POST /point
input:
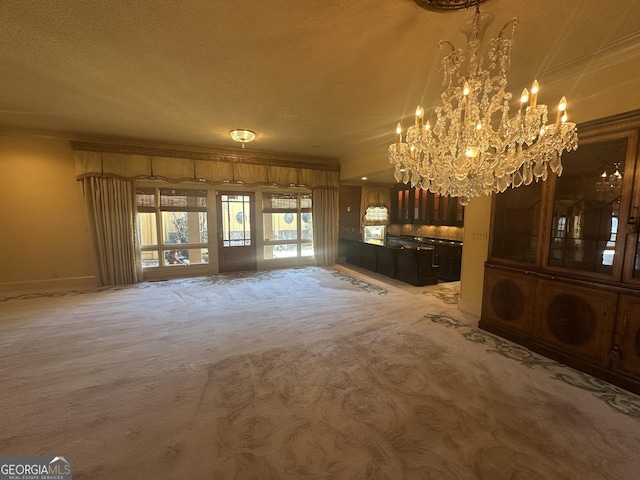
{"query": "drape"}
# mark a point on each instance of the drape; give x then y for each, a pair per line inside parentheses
(110, 208)
(108, 172)
(325, 225)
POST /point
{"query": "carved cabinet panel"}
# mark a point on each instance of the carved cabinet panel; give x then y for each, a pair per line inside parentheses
(626, 355)
(509, 301)
(576, 320)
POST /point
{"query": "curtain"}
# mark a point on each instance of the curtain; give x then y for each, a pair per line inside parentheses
(111, 210)
(325, 225)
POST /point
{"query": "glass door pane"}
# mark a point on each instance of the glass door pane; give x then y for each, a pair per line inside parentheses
(236, 229)
(236, 220)
(516, 219)
(585, 233)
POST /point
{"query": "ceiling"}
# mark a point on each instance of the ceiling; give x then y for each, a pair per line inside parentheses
(315, 79)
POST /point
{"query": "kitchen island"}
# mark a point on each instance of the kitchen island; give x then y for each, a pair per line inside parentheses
(411, 263)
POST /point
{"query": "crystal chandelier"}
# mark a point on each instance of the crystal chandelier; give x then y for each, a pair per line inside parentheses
(610, 186)
(475, 147)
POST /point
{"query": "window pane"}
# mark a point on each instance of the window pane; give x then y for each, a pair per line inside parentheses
(281, 251)
(184, 227)
(190, 256)
(280, 226)
(148, 228)
(306, 229)
(307, 250)
(150, 258)
(374, 234)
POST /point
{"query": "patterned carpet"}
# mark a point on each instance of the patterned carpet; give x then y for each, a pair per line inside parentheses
(309, 373)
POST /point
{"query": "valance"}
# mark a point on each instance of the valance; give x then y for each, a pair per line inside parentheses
(137, 163)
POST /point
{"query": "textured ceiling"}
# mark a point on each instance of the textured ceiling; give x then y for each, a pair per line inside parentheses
(325, 79)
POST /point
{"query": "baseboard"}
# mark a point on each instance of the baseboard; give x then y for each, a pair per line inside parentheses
(51, 284)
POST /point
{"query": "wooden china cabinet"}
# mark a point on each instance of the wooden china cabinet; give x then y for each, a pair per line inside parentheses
(563, 273)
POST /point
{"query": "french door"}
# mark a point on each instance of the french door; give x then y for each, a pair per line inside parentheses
(236, 231)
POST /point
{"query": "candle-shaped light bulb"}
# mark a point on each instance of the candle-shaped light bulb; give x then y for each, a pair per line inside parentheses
(427, 126)
(466, 89)
(524, 98)
(562, 106)
(535, 88)
(417, 115)
(399, 132)
(413, 151)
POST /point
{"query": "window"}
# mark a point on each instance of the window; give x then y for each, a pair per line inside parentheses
(288, 225)
(172, 226)
(374, 225)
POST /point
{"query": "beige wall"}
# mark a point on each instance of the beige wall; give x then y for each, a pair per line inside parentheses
(44, 235)
(477, 219)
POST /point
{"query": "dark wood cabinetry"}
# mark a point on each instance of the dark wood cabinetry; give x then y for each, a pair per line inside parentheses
(626, 348)
(417, 206)
(414, 265)
(449, 260)
(563, 274)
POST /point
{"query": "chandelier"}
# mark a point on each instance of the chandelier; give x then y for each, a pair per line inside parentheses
(610, 186)
(475, 146)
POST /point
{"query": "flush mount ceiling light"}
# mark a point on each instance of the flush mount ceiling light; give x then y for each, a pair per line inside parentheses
(242, 135)
(474, 146)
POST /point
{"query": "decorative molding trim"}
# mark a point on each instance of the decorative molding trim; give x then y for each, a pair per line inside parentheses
(195, 155)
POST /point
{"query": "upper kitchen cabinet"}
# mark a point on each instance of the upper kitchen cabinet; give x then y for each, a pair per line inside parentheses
(422, 207)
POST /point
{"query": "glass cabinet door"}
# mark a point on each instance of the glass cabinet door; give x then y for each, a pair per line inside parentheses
(632, 227)
(589, 210)
(515, 223)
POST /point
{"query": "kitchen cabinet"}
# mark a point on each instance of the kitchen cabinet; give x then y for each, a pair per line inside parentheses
(410, 264)
(422, 207)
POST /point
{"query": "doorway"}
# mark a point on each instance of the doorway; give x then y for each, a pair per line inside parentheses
(236, 231)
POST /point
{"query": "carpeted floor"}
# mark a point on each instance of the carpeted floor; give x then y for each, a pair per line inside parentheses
(310, 373)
